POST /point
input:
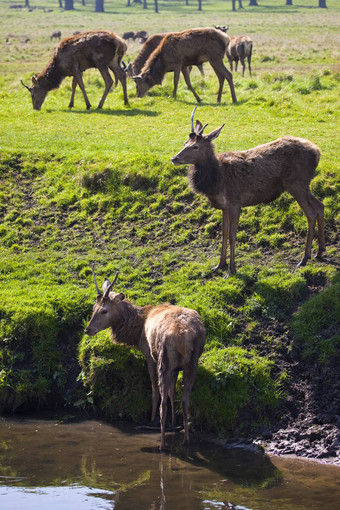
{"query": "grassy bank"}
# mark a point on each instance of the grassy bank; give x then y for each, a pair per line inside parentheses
(81, 186)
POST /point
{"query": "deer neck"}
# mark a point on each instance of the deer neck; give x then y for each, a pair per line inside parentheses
(205, 176)
(52, 75)
(130, 327)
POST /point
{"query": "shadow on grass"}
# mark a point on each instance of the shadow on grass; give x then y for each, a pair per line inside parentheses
(133, 112)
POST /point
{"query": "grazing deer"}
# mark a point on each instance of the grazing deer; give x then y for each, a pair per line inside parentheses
(56, 35)
(171, 338)
(128, 35)
(240, 48)
(177, 51)
(135, 67)
(236, 179)
(98, 48)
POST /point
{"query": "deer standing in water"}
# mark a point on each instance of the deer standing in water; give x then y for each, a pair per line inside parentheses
(171, 338)
(180, 50)
(96, 48)
(236, 179)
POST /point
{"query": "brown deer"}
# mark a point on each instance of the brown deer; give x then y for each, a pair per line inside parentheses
(171, 338)
(232, 180)
(239, 49)
(56, 35)
(135, 67)
(98, 48)
(177, 51)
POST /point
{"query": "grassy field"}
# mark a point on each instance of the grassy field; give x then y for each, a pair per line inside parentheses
(80, 186)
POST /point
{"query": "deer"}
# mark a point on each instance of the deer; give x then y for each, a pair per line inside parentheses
(236, 179)
(135, 67)
(239, 49)
(177, 51)
(95, 48)
(171, 337)
(56, 35)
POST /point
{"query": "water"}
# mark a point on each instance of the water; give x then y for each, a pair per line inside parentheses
(50, 465)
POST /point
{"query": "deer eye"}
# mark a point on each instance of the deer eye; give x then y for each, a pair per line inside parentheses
(195, 147)
(103, 310)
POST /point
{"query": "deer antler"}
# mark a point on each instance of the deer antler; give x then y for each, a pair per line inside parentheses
(201, 130)
(94, 279)
(26, 86)
(192, 120)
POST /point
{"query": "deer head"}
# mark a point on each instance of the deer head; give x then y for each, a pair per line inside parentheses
(143, 84)
(106, 311)
(38, 93)
(197, 144)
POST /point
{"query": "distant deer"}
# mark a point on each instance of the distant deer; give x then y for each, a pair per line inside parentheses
(128, 35)
(177, 51)
(236, 179)
(239, 49)
(135, 67)
(141, 34)
(101, 49)
(56, 35)
(171, 338)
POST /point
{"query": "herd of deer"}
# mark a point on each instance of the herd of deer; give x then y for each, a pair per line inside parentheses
(172, 338)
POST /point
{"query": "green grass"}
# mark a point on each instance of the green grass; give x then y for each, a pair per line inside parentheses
(81, 186)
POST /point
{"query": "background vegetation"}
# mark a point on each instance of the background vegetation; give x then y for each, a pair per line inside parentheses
(81, 186)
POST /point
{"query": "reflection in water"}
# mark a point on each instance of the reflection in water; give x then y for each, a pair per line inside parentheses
(55, 465)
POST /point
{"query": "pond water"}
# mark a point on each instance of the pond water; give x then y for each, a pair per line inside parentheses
(53, 464)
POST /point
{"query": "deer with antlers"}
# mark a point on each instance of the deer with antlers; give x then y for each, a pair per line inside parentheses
(180, 50)
(101, 49)
(171, 338)
(236, 179)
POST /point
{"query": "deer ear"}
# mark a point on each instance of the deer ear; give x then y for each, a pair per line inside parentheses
(34, 80)
(120, 296)
(214, 134)
(107, 286)
(198, 126)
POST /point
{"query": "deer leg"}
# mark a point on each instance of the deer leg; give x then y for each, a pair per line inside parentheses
(163, 389)
(243, 65)
(221, 73)
(172, 391)
(189, 373)
(79, 78)
(108, 84)
(74, 86)
(234, 216)
(311, 207)
(321, 228)
(201, 70)
(152, 368)
(121, 76)
(225, 234)
(185, 73)
(249, 64)
(177, 72)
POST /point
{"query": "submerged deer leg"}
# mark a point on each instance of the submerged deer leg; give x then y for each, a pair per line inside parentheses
(185, 73)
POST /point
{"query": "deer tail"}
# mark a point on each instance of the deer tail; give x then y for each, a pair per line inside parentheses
(162, 363)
